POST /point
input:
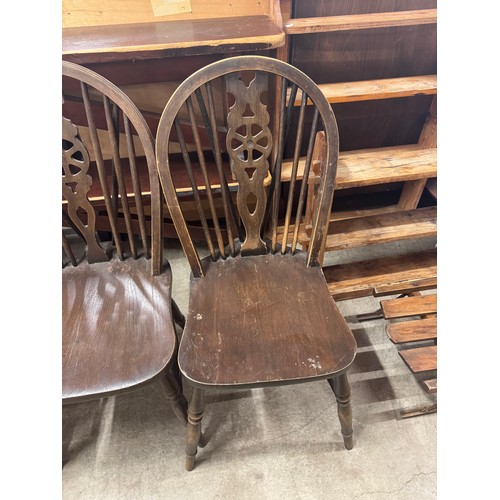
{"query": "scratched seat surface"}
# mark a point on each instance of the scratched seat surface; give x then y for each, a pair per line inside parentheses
(263, 319)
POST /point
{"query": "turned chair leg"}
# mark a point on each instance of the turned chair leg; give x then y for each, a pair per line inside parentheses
(342, 392)
(175, 397)
(193, 429)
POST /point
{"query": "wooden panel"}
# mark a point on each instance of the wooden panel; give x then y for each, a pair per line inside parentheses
(110, 12)
(174, 38)
(359, 21)
(382, 228)
(431, 385)
(306, 8)
(409, 306)
(386, 88)
(359, 279)
(411, 331)
(377, 166)
(420, 359)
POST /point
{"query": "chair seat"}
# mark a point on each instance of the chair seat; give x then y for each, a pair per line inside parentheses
(260, 320)
(117, 327)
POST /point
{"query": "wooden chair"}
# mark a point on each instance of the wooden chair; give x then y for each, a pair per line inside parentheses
(260, 312)
(117, 310)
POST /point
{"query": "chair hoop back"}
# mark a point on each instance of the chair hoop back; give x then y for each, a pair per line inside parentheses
(252, 138)
(114, 131)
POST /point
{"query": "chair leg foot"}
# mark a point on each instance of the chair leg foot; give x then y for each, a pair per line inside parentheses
(342, 392)
(193, 429)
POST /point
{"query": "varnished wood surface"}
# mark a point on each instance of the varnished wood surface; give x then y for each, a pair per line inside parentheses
(414, 330)
(118, 331)
(409, 306)
(360, 279)
(299, 26)
(383, 228)
(262, 320)
(369, 54)
(420, 359)
(170, 38)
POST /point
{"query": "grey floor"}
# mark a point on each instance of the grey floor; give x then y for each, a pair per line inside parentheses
(272, 443)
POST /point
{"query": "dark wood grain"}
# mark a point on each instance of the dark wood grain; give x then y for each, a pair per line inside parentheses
(117, 322)
(369, 54)
(93, 44)
(263, 314)
(113, 335)
(262, 320)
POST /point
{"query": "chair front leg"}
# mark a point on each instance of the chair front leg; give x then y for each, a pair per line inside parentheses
(342, 392)
(193, 429)
(177, 314)
(175, 397)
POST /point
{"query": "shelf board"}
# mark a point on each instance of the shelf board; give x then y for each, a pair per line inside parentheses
(381, 228)
(369, 90)
(90, 44)
(409, 272)
(305, 25)
(376, 166)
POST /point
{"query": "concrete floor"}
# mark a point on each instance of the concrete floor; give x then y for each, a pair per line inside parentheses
(274, 443)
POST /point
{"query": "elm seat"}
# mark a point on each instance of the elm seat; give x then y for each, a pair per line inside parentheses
(114, 339)
(291, 323)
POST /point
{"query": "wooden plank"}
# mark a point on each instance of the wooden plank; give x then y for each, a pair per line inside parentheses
(359, 21)
(382, 228)
(418, 411)
(409, 306)
(377, 166)
(110, 12)
(173, 38)
(387, 88)
(431, 385)
(411, 331)
(420, 359)
(359, 279)
(405, 286)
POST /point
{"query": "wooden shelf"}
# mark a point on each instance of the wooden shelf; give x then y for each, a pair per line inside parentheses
(381, 228)
(377, 166)
(420, 359)
(306, 25)
(412, 331)
(409, 272)
(409, 306)
(91, 44)
(368, 90)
